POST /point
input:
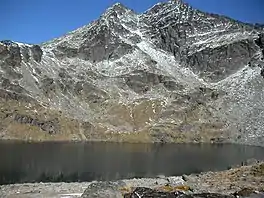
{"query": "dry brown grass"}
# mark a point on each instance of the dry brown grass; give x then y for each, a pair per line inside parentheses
(136, 117)
(245, 177)
(169, 188)
(14, 130)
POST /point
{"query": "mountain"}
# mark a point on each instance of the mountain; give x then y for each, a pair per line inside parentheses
(170, 74)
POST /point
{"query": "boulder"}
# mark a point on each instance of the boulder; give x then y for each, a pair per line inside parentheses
(102, 190)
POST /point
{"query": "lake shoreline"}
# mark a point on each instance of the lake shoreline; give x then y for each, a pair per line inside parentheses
(120, 142)
(226, 182)
(124, 138)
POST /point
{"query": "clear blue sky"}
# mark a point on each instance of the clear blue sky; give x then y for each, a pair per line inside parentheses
(36, 21)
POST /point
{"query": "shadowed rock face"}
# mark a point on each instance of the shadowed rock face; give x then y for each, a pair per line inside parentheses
(218, 63)
(36, 53)
(10, 54)
(170, 74)
(260, 41)
(102, 45)
(141, 81)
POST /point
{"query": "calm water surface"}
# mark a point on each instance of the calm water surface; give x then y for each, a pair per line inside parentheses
(54, 162)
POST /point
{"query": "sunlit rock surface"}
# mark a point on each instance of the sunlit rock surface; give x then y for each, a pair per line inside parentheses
(170, 74)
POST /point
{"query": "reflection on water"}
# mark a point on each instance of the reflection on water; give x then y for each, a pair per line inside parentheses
(27, 162)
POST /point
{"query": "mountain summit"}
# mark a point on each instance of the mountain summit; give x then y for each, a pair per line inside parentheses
(170, 74)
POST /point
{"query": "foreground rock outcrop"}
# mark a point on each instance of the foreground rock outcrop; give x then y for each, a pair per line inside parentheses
(234, 180)
(147, 192)
(245, 181)
(170, 74)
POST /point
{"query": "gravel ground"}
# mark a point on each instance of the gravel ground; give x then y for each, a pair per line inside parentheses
(45, 190)
(71, 190)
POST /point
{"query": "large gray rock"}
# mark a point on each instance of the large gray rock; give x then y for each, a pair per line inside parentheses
(102, 190)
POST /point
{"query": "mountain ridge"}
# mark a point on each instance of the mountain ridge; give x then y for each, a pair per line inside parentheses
(170, 74)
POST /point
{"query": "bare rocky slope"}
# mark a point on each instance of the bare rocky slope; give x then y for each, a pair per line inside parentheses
(170, 74)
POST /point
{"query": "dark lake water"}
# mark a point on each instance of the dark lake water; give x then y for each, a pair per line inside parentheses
(54, 162)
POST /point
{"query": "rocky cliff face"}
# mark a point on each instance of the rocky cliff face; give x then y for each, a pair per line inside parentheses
(171, 74)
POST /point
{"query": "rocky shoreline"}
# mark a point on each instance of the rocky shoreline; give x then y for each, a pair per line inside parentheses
(244, 181)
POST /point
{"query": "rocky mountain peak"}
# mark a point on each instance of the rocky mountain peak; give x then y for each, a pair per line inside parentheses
(177, 2)
(117, 10)
(173, 74)
(118, 6)
(168, 7)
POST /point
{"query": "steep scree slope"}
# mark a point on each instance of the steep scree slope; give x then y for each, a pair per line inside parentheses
(171, 74)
